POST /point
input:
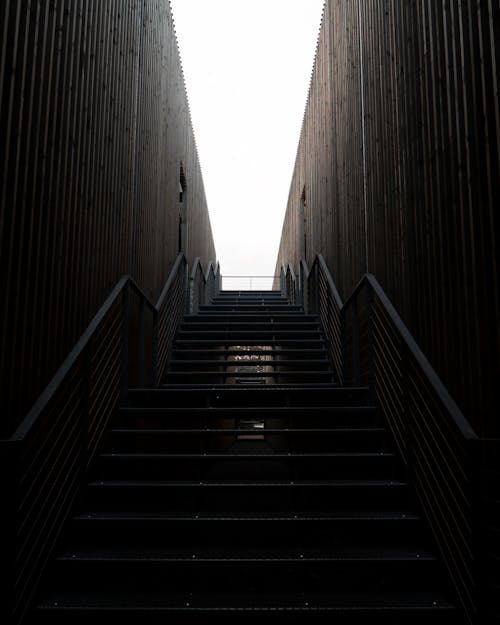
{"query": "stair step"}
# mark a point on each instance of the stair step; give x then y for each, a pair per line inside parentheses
(286, 317)
(217, 439)
(262, 334)
(248, 307)
(266, 396)
(248, 465)
(156, 496)
(239, 339)
(272, 416)
(234, 569)
(248, 352)
(297, 555)
(252, 374)
(230, 323)
(250, 363)
(418, 606)
(345, 527)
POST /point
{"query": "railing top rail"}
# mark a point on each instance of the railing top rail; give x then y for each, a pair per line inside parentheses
(170, 279)
(303, 263)
(289, 268)
(429, 372)
(224, 276)
(34, 414)
(321, 262)
(210, 268)
(135, 287)
(196, 267)
(432, 377)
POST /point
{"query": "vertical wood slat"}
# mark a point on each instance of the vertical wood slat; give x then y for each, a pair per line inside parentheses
(94, 125)
(399, 158)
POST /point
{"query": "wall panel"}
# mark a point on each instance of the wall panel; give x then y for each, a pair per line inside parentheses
(94, 126)
(399, 158)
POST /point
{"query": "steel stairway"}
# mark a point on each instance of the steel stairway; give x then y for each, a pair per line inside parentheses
(245, 492)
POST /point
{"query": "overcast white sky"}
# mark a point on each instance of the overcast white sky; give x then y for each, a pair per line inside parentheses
(247, 67)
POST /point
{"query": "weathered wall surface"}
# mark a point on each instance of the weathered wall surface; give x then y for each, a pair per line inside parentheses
(94, 126)
(398, 158)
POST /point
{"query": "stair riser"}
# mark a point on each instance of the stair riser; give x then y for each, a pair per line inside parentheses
(194, 364)
(269, 325)
(341, 616)
(234, 576)
(240, 336)
(248, 533)
(274, 307)
(230, 418)
(251, 468)
(295, 354)
(229, 342)
(200, 442)
(244, 498)
(245, 398)
(250, 317)
(271, 377)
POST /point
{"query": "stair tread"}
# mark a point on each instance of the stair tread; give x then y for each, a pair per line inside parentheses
(289, 517)
(236, 374)
(251, 601)
(247, 484)
(246, 409)
(218, 554)
(263, 431)
(247, 363)
(264, 352)
(230, 322)
(242, 456)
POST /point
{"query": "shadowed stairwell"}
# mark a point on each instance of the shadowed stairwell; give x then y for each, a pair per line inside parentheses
(275, 495)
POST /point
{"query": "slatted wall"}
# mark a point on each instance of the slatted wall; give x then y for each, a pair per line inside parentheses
(399, 157)
(94, 126)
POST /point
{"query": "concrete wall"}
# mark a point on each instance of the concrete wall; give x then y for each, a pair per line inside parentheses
(399, 164)
(94, 127)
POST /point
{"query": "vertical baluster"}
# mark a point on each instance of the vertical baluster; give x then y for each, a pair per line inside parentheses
(355, 341)
(125, 336)
(141, 354)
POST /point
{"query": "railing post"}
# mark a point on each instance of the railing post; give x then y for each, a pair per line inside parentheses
(316, 294)
(141, 354)
(87, 391)
(355, 342)
(480, 514)
(154, 347)
(371, 347)
(343, 337)
(406, 417)
(125, 335)
(306, 294)
(9, 467)
(191, 295)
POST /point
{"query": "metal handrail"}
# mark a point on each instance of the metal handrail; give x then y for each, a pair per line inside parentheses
(370, 344)
(171, 277)
(457, 416)
(43, 463)
(247, 277)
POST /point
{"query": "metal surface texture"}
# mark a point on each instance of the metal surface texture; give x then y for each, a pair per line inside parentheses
(397, 174)
(95, 139)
